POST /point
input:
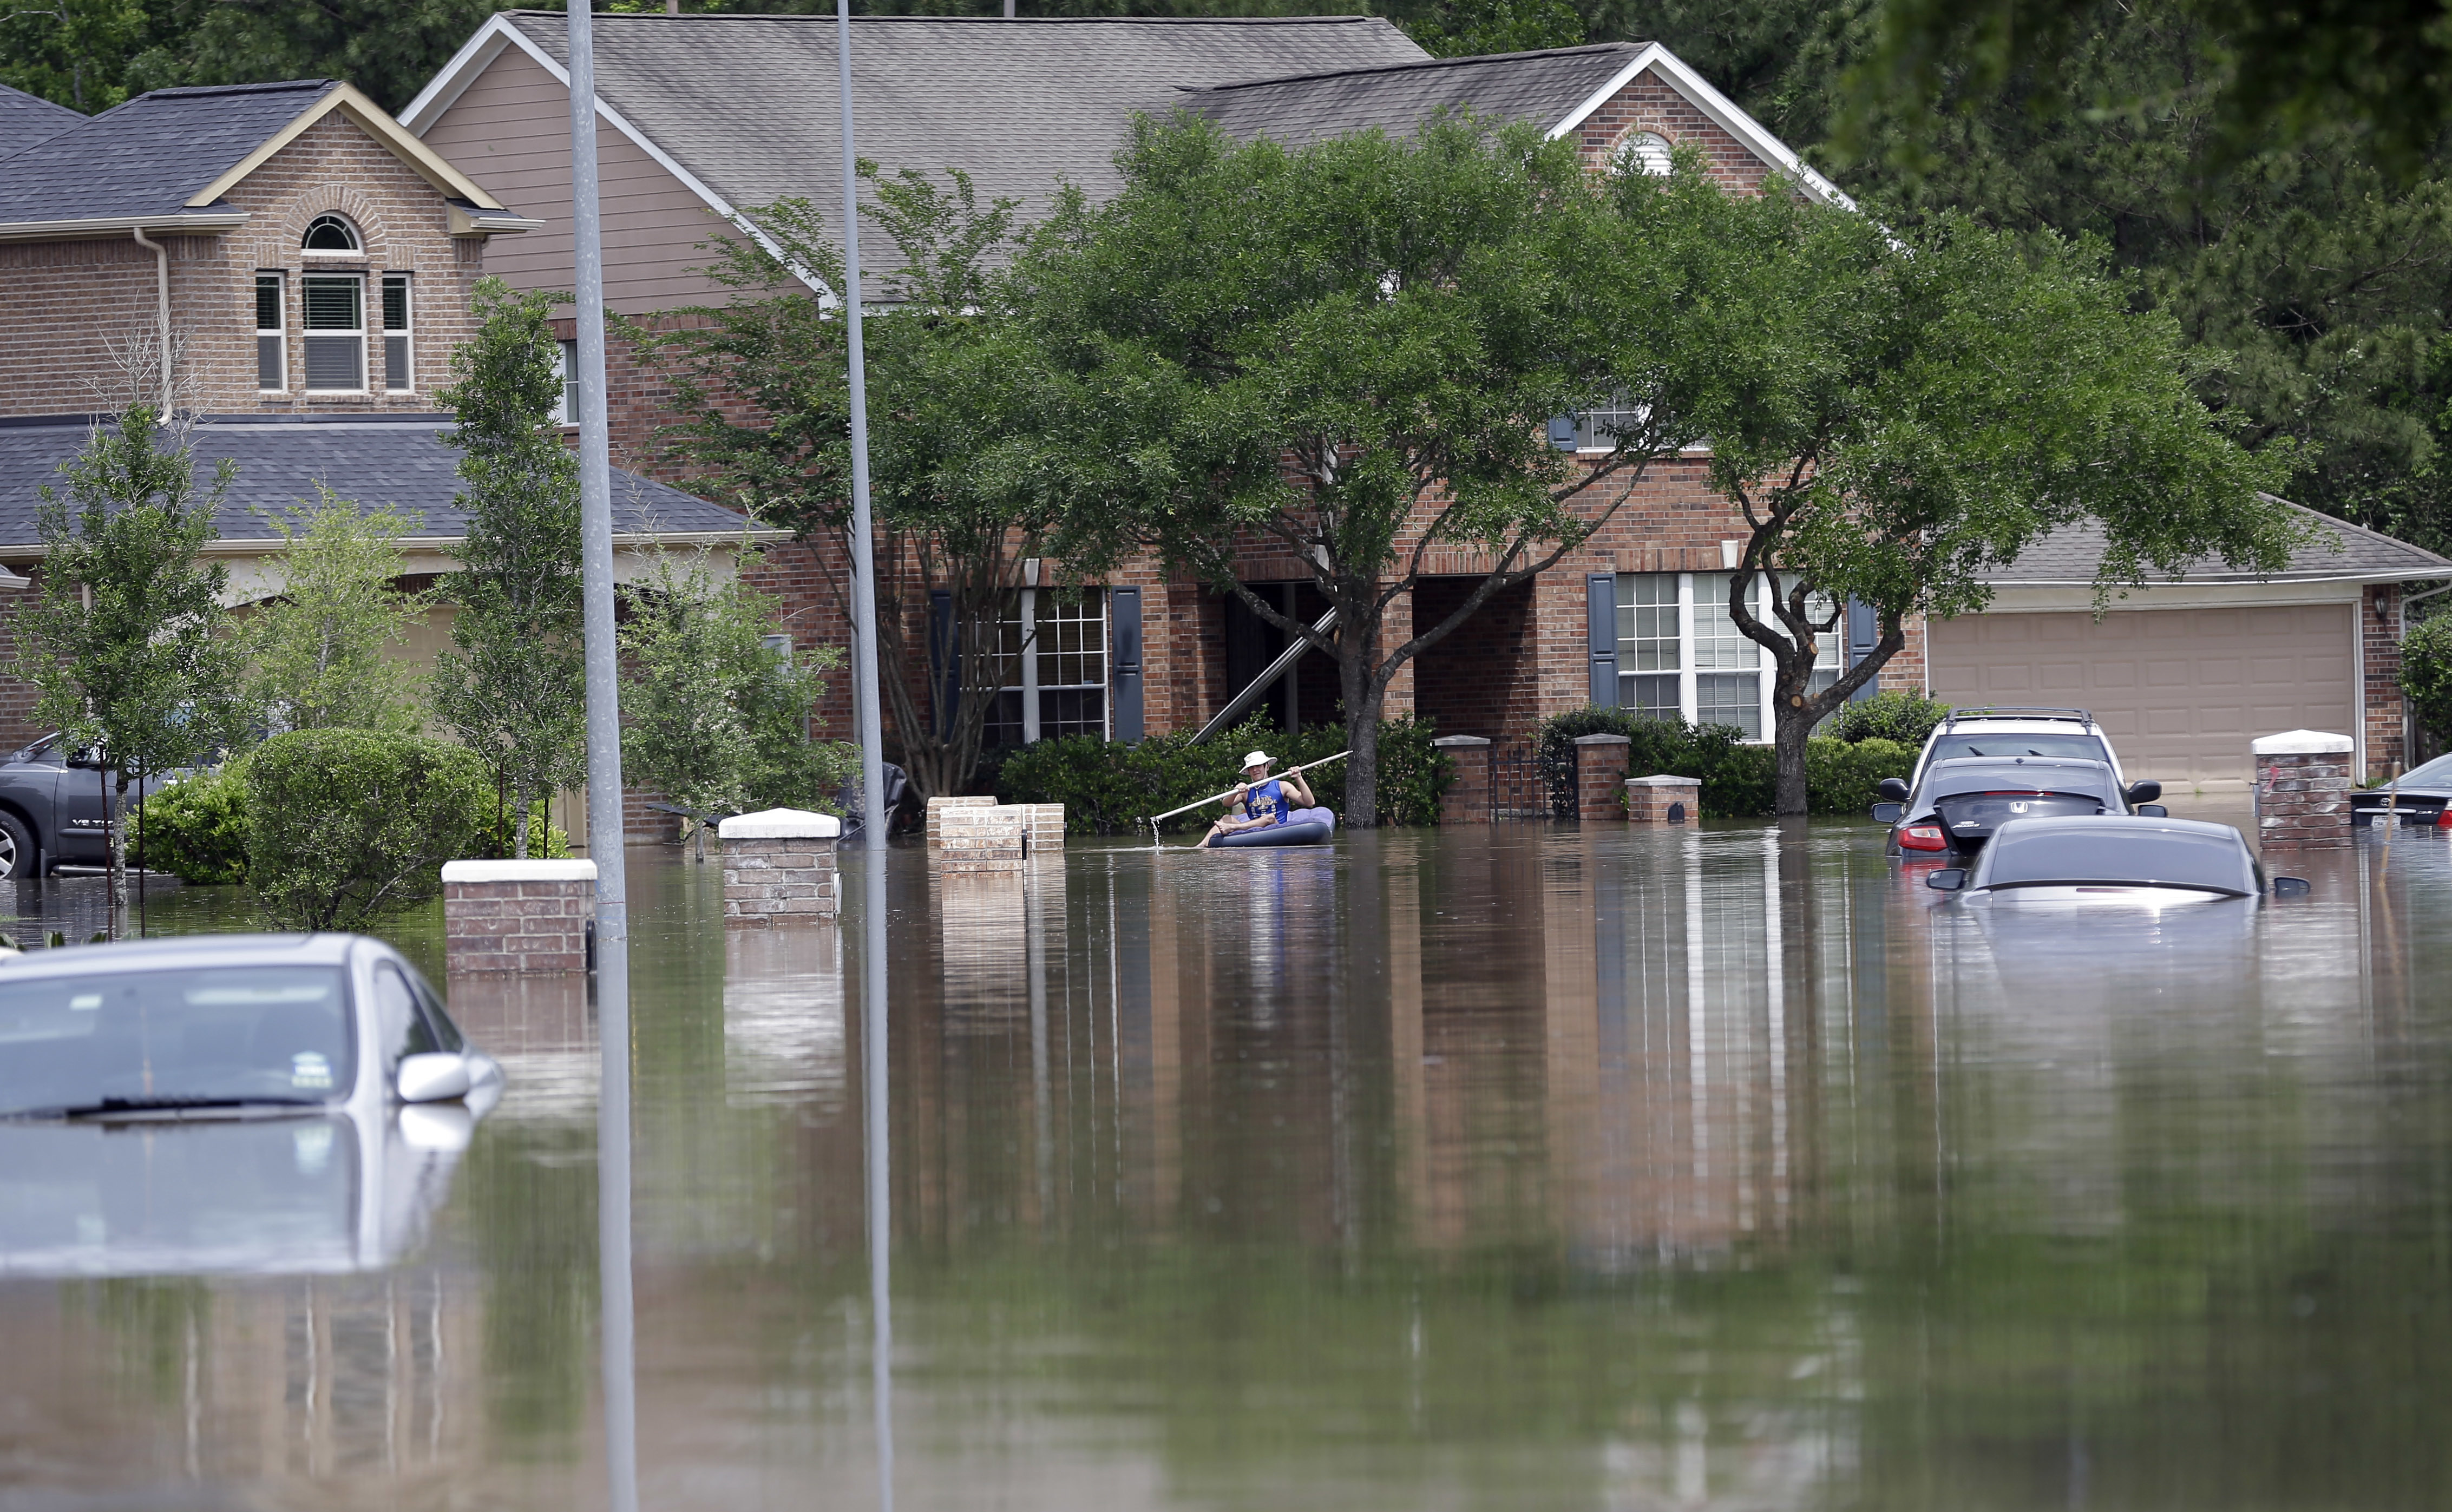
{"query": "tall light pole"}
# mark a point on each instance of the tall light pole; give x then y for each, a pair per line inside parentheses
(604, 786)
(872, 808)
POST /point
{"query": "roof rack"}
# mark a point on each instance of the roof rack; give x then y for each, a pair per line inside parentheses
(2014, 712)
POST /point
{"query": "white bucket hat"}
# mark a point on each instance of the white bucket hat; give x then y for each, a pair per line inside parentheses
(1257, 758)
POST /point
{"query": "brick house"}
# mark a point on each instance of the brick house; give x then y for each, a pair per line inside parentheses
(308, 265)
(704, 116)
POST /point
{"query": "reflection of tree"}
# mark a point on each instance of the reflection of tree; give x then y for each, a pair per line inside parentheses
(528, 1201)
(158, 1328)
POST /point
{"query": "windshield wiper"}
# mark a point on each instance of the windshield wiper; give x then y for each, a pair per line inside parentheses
(114, 1106)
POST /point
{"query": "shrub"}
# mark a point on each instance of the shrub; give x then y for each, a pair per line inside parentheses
(1110, 788)
(348, 825)
(1904, 717)
(197, 829)
(1740, 781)
(496, 833)
(1840, 778)
(2427, 676)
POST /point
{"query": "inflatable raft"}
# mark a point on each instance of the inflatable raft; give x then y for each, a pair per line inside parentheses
(1307, 832)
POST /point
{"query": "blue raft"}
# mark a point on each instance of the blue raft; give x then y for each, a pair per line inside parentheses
(1309, 832)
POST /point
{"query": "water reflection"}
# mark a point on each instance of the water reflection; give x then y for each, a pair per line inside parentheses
(1532, 1167)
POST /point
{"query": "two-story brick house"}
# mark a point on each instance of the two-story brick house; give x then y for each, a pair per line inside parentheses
(307, 263)
(704, 117)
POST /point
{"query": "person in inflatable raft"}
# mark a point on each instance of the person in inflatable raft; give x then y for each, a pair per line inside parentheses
(1263, 800)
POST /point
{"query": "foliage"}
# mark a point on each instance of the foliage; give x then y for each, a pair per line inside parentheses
(1739, 780)
(1840, 776)
(197, 828)
(2427, 676)
(1465, 28)
(719, 720)
(960, 500)
(1108, 787)
(322, 652)
(125, 640)
(1892, 714)
(348, 825)
(512, 686)
(496, 832)
(1349, 352)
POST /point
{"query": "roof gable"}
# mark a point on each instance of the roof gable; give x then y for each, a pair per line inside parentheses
(26, 119)
(2338, 552)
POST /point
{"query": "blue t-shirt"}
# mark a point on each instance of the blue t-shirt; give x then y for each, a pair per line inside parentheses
(1266, 801)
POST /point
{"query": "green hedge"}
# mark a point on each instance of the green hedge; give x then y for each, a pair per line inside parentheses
(1740, 781)
(1110, 788)
(348, 825)
(1896, 716)
(196, 828)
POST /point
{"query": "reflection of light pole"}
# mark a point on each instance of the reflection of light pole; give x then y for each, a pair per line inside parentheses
(604, 786)
(872, 808)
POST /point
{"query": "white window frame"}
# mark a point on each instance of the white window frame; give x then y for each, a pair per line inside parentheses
(309, 335)
(1029, 687)
(357, 238)
(278, 331)
(1829, 658)
(566, 363)
(405, 334)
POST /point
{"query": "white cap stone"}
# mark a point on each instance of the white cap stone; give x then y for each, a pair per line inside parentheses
(2303, 743)
(779, 824)
(532, 870)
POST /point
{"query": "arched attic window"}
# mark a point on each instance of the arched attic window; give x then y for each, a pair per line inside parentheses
(329, 233)
(1645, 152)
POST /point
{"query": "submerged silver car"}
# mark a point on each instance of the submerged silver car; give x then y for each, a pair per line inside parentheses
(2106, 858)
(227, 1102)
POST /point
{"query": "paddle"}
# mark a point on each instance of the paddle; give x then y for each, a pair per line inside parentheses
(1231, 792)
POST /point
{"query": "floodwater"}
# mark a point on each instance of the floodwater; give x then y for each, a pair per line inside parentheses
(1515, 1168)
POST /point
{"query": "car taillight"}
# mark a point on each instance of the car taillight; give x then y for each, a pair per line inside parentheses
(2443, 817)
(1923, 838)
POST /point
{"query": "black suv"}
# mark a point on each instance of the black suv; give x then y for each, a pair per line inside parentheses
(51, 809)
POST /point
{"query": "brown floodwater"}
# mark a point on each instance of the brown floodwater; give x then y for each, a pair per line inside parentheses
(1518, 1167)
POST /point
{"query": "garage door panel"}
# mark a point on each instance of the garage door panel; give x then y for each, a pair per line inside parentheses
(2179, 691)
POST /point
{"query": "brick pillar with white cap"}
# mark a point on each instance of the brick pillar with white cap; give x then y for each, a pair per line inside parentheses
(2303, 791)
(779, 868)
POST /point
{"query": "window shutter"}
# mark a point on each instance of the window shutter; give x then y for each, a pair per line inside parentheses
(1600, 623)
(944, 659)
(1864, 634)
(1124, 615)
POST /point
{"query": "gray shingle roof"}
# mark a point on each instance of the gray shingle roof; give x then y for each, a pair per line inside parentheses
(749, 104)
(149, 156)
(26, 119)
(1541, 87)
(2072, 555)
(403, 462)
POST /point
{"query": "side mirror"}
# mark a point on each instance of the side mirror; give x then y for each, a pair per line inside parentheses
(2144, 791)
(432, 1078)
(2289, 886)
(1894, 789)
(2152, 811)
(1946, 879)
(1889, 813)
(85, 759)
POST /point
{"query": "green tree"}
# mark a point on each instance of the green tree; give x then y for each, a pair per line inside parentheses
(74, 52)
(718, 719)
(2427, 676)
(963, 493)
(323, 653)
(512, 683)
(126, 639)
(1901, 413)
(1349, 352)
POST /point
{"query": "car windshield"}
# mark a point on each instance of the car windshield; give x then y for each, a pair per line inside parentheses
(2125, 852)
(2091, 778)
(223, 1036)
(2435, 774)
(1957, 743)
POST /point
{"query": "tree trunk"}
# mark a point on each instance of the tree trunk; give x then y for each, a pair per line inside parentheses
(520, 827)
(1354, 657)
(114, 798)
(1793, 722)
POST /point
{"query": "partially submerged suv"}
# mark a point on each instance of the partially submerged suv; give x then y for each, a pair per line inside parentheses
(51, 809)
(1982, 767)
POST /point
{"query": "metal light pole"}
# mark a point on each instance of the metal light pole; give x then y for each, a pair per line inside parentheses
(604, 785)
(872, 808)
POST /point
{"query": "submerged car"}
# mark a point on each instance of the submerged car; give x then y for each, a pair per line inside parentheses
(1962, 801)
(226, 1104)
(51, 808)
(2422, 796)
(2069, 735)
(2106, 858)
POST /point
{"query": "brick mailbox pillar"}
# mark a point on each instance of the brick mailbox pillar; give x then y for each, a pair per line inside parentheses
(2303, 791)
(525, 917)
(1664, 799)
(975, 841)
(1466, 800)
(1042, 826)
(1600, 776)
(779, 868)
(939, 807)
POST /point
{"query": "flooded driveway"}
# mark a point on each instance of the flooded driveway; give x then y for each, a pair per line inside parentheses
(1521, 1167)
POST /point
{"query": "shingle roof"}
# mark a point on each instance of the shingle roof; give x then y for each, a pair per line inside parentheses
(749, 104)
(26, 119)
(151, 155)
(403, 462)
(1541, 87)
(2073, 554)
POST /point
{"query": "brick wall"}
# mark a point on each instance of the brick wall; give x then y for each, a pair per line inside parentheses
(1647, 104)
(2379, 633)
(1479, 679)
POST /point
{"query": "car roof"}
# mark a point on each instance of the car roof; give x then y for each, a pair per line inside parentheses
(2122, 824)
(2019, 724)
(186, 952)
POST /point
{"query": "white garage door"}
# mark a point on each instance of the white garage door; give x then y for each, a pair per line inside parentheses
(2180, 692)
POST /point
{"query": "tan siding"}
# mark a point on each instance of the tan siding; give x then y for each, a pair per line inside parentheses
(510, 131)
